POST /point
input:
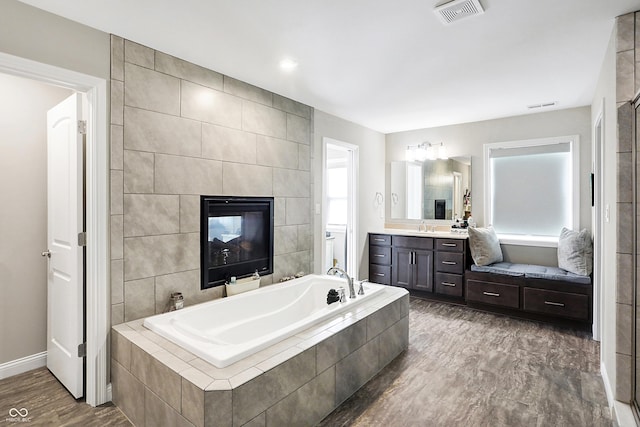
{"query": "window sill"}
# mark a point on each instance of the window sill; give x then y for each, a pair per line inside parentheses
(519, 240)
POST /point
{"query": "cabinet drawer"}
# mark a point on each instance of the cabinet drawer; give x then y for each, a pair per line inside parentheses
(413, 242)
(450, 262)
(450, 245)
(380, 239)
(380, 255)
(380, 274)
(493, 293)
(449, 284)
(562, 304)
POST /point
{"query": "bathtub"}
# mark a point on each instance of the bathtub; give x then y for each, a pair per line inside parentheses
(226, 330)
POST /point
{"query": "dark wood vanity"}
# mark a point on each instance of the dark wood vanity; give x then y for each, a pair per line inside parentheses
(436, 266)
(424, 265)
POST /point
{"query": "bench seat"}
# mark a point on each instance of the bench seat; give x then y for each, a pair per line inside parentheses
(548, 294)
(532, 271)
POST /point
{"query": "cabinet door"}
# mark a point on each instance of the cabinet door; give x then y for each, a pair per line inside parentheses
(402, 267)
(423, 271)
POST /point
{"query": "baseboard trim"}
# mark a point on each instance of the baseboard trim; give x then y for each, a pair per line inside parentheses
(23, 364)
(607, 385)
(621, 412)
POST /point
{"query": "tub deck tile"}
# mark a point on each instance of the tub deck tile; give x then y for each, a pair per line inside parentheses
(172, 361)
(197, 377)
(315, 339)
(273, 350)
(219, 385)
(144, 343)
(320, 327)
(244, 377)
(221, 373)
(279, 358)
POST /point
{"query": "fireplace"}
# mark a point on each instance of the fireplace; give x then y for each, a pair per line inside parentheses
(236, 238)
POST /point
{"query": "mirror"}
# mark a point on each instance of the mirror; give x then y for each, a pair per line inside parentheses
(433, 189)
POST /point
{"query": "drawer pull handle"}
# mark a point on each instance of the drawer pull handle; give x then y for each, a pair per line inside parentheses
(449, 245)
(453, 285)
(557, 304)
(491, 294)
(378, 240)
(379, 274)
(449, 263)
(378, 255)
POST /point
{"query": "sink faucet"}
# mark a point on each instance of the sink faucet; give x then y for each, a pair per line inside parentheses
(352, 292)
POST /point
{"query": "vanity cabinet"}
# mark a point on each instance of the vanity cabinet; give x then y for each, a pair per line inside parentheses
(412, 258)
(413, 270)
(380, 258)
(450, 261)
(425, 264)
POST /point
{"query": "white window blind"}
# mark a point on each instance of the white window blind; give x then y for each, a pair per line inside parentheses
(533, 187)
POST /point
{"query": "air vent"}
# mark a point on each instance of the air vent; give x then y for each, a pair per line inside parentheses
(543, 105)
(458, 9)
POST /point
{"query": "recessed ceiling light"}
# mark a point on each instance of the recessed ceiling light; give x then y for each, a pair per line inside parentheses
(288, 64)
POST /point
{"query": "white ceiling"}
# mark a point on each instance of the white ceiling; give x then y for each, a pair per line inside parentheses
(390, 65)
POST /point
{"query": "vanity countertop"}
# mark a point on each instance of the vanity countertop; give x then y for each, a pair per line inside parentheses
(434, 234)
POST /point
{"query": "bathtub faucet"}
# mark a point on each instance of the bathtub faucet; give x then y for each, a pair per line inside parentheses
(334, 270)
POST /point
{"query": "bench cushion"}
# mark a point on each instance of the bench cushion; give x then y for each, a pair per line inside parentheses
(531, 271)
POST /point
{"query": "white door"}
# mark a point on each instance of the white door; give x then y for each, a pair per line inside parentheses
(65, 322)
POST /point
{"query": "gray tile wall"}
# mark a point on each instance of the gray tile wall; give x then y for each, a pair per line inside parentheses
(627, 85)
(178, 131)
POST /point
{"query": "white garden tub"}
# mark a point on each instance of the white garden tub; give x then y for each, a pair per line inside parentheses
(226, 330)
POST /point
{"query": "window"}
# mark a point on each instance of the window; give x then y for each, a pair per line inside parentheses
(532, 189)
(337, 195)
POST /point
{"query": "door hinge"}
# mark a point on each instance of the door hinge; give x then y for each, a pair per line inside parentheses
(82, 239)
(82, 349)
(82, 127)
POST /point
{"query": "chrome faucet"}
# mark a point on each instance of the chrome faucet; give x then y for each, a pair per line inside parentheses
(352, 292)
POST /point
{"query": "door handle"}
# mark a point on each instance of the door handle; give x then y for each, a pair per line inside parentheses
(46, 253)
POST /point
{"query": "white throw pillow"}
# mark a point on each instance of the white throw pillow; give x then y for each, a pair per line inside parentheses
(575, 251)
(484, 245)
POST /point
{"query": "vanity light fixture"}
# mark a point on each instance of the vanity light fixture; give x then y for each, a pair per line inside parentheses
(442, 152)
(426, 151)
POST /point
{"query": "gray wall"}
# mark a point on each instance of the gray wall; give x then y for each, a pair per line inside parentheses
(41, 36)
(468, 139)
(179, 131)
(23, 217)
(370, 180)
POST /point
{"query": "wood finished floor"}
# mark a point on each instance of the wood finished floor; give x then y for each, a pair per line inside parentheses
(49, 403)
(469, 368)
(462, 368)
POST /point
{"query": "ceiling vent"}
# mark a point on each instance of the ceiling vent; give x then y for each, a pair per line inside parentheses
(543, 105)
(458, 9)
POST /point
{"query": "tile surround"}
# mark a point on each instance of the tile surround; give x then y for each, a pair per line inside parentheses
(627, 83)
(179, 130)
(297, 381)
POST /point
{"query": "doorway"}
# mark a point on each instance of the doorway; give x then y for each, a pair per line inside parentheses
(97, 248)
(598, 219)
(339, 215)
